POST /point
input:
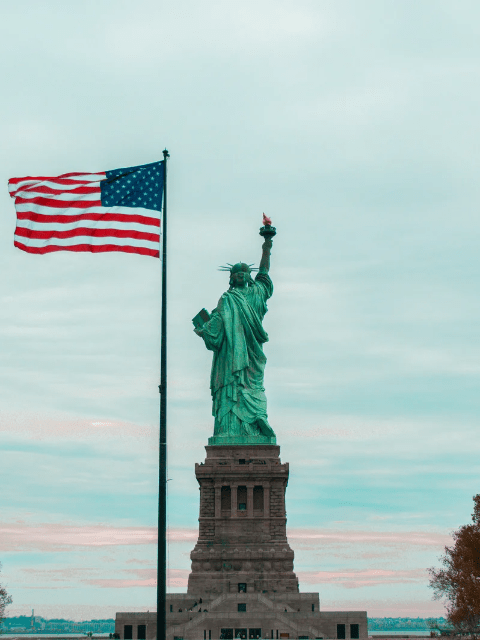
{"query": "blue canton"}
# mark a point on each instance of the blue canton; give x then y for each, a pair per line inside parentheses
(140, 186)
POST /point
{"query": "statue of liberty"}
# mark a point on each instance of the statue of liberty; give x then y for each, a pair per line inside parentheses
(235, 334)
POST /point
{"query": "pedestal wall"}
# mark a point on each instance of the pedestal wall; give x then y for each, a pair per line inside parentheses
(242, 543)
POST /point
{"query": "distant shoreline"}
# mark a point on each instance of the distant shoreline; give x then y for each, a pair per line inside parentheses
(377, 635)
(400, 633)
(54, 636)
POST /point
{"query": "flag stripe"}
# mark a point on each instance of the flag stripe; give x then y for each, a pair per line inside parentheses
(108, 217)
(59, 184)
(89, 248)
(63, 196)
(67, 242)
(79, 176)
(90, 224)
(58, 204)
(68, 212)
(46, 234)
(43, 188)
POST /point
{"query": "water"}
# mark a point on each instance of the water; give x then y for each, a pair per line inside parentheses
(49, 634)
(400, 632)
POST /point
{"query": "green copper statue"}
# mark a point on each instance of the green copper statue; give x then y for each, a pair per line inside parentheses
(235, 334)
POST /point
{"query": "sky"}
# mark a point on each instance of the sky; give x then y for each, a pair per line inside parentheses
(354, 125)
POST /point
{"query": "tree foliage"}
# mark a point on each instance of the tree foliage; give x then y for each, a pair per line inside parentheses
(5, 600)
(458, 581)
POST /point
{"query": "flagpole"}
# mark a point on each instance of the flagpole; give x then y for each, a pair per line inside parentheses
(162, 471)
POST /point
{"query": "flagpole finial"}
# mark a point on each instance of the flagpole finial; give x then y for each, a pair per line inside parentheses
(165, 154)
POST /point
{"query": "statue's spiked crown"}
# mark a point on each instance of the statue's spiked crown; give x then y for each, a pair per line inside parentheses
(239, 266)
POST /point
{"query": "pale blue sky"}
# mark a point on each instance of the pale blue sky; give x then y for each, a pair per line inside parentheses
(354, 125)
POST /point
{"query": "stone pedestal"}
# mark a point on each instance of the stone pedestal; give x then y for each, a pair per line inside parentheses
(242, 544)
(242, 583)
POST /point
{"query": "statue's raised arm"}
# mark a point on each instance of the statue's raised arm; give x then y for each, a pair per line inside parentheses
(235, 334)
(267, 231)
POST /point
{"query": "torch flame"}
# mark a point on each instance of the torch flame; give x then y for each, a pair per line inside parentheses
(266, 220)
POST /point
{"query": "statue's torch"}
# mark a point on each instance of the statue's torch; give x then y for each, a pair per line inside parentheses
(267, 231)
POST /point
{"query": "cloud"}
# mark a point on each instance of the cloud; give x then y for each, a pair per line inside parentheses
(21, 536)
(71, 577)
(404, 538)
(124, 583)
(355, 579)
(121, 576)
(60, 537)
(175, 578)
(50, 425)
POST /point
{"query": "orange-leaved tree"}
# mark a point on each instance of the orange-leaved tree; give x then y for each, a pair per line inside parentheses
(458, 581)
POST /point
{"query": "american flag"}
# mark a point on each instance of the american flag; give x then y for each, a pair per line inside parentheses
(115, 210)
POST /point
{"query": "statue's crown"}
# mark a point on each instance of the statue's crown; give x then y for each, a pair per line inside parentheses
(239, 266)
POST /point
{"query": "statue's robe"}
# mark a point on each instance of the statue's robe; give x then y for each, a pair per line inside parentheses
(235, 335)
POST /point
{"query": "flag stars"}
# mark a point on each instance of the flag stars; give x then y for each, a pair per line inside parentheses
(133, 187)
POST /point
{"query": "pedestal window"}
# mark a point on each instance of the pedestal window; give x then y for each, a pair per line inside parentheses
(242, 498)
(226, 499)
(258, 499)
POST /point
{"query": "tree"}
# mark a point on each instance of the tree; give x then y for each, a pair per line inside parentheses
(5, 600)
(459, 579)
(437, 627)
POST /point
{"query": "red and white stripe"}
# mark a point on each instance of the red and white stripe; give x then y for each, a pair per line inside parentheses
(65, 213)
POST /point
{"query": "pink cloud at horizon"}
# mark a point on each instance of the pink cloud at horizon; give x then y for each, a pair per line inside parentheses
(364, 577)
(41, 427)
(68, 577)
(33, 578)
(175, 578)
(421, 538)
(346, 578)
(57, 537)
(52, 536)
